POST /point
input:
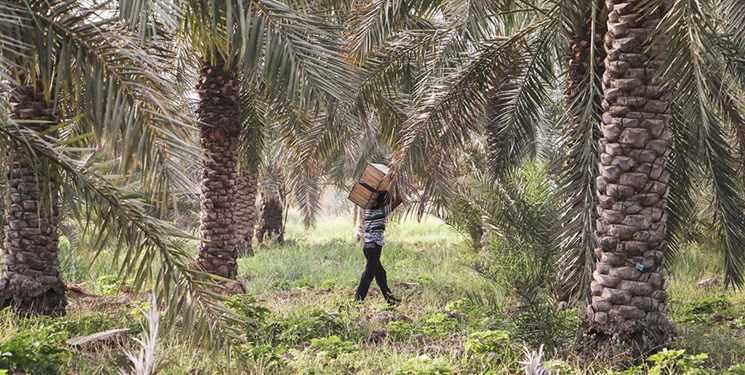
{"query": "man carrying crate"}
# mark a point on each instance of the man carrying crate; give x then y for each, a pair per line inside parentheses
(376, 218)
(371, 194)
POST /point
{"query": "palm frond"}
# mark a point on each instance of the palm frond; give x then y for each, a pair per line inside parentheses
(692, 56)
(111, 85)
(149, 250)
(682, 166)
(295, 53)
(374, 22)
(150, 18)
(448, 110)
(578, 166)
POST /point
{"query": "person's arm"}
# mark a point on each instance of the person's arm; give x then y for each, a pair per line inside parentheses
(387, 209)
(396, 202)
(392, 206)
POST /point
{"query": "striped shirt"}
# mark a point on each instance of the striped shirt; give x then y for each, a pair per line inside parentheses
(375, 220)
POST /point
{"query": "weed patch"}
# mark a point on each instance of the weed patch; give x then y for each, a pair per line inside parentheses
(37, 350)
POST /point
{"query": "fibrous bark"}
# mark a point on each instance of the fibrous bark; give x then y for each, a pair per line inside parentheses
(246, 210)
(219, 128)
(629, 301)
(271, 225)
(495, 137)
(31, 280)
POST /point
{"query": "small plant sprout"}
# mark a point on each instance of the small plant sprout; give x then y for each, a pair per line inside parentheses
(146, 362)
(533, 362)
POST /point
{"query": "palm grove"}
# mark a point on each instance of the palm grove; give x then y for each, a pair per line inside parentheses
(107, 108)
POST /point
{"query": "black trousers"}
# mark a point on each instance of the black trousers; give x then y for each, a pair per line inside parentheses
(373, 269)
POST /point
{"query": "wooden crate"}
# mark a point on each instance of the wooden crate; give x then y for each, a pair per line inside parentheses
(375, 178)
(362, 196)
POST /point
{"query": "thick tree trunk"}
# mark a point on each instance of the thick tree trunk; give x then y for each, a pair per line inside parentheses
(271, 224)
(31, 280)
(495, 139)
(246, 208)
(219, 116)
(628, 288)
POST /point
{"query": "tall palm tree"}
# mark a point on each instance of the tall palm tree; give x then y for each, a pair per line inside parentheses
(271, 214)
(32, 281)
(246, 210)
(280, 52)
(660, 132)
(61, 60)
(628, 286)
(219, 130)
(467, 59)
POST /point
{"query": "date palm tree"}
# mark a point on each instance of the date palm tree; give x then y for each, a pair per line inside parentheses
(279, 50)
(628, 286)
(246, 210)
(81, 88)
(473, 57)
(32, 281)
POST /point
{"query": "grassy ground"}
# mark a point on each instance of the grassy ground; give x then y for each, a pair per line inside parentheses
(451, 320)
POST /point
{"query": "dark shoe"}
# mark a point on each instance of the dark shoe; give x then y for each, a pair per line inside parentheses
(392, 300)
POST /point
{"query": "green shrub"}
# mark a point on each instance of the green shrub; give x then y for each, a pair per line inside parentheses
(308, 325)
(523, 207)
(269, 356)
(486, 342)
(38, 350)
(424, 365)
(137, 315)
(108, 285)
(542, 324)
(438, 326)
(248, 307)
(487, 350)
(332, 346)
(673, 362)
(702, 311)
(326, 355)
(399, 330)
(254, 315)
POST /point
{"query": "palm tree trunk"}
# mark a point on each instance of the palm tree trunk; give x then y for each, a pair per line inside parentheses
(628, 288)
(219, 128)
(495, 140)
(246, 208)
(271, 225)
(31, 280)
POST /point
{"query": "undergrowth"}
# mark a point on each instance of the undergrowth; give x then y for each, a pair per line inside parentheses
(299, 316)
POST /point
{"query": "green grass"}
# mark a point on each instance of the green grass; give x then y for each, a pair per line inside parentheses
(427, 253)
(314, 326)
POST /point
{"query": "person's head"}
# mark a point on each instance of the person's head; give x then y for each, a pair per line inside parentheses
(381, 199)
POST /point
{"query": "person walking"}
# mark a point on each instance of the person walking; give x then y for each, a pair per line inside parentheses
(375, 222)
